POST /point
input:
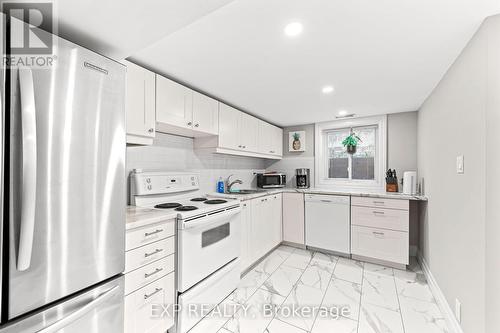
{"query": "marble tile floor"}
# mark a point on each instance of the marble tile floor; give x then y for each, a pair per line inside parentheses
(296, 291)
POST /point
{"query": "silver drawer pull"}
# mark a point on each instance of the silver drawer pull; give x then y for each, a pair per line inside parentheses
(323, 200)
(158, 270)
(378, 233)
(157, 231)
(152, 253)
(378, 212)
(157, 290)
(379, 203)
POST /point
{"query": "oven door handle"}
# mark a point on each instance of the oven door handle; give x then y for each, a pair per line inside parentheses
(205, 221)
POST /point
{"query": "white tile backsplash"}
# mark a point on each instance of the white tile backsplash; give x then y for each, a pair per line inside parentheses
(176, 153)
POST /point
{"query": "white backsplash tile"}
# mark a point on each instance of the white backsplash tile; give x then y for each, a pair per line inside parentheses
(176, 153)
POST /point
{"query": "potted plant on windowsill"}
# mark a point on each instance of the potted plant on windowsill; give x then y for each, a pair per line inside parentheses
(351, 142)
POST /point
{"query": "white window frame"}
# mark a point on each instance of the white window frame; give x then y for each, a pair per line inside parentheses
(321, 156)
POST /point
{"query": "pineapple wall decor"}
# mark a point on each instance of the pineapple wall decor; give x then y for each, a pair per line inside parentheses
(297, 141)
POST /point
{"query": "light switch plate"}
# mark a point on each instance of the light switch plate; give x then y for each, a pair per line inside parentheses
(460, 164)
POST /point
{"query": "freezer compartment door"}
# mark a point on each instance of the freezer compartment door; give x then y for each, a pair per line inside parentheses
(99, 310)
(67, 195)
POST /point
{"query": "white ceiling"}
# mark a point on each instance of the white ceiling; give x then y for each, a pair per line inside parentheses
(382, 56)
(119, 28)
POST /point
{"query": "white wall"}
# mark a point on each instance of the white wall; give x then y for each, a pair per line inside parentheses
(460, 223)
(176, 153)
(493, 181)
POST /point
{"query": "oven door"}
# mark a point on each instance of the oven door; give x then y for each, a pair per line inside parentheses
(206, 244)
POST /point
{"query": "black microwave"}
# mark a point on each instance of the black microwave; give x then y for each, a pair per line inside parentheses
(270, 180)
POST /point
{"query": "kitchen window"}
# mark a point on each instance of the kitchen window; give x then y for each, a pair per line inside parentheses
(361, 170)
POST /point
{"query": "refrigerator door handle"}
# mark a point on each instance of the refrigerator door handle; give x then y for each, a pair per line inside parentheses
(28, 196)
(74, 316)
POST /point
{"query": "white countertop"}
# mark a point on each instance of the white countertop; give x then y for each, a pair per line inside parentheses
(139, 216)
(264, 192)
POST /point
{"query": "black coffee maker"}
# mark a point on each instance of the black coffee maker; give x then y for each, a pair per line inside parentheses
(303, 178)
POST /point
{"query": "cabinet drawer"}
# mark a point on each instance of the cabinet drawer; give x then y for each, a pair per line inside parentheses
(149, 234)
(148, 253)
(380, 203)
(380, 218)
(140, 304)
(147, 274)
(380, 244)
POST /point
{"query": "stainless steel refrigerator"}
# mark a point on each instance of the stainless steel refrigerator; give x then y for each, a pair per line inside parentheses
(63, 194)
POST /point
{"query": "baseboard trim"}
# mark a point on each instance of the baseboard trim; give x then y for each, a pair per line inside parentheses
(445, 308)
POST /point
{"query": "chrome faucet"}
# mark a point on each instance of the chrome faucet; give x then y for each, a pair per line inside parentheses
(230, 184)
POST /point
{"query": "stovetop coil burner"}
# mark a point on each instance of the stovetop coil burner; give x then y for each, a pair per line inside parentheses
(199, 199)
(215, 201)
(186, 208)
(168, 205)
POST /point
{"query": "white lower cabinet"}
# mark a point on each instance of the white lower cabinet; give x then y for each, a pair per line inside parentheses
(144, 308)
(380, 230)
(293, 218)
(150, 278)
(261, 227)
(380, 244)
(245, 220)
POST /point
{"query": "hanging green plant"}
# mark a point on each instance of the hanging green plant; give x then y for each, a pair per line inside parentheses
(351, 142)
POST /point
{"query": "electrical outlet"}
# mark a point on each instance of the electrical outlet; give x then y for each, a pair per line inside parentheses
(460, 164)
(458, 310)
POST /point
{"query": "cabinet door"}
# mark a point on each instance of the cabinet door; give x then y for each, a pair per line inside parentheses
(293, 218)
(138, 306)
(205, 114)
(260, 233)
(249, 132)
(174, 103)
(246, 234)
(276, 210)
(277, 140)
(140, 102)
(264, 137)
(229, 119)
(270, 139)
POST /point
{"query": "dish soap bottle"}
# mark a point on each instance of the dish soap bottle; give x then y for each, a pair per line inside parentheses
(220, 185)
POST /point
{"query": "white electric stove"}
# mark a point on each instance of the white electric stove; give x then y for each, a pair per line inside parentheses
(208, 238)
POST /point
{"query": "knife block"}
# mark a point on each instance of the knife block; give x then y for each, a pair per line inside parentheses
(391, 187)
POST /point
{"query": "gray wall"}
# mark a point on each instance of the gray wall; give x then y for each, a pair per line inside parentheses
(401, 147)
(460, 224)
(402, 142)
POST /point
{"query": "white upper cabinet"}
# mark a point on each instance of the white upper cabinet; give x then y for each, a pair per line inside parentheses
(237, 130)
(174, 106)
(229, 135)
(180, 110)
(248, 127)
(140, 104)
(270, 139)
(205, 114)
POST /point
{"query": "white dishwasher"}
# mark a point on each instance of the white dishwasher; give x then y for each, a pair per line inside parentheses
(328, 223)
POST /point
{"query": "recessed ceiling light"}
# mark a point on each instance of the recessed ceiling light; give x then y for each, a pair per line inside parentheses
(342, 112)
(327, 90)
(293, 29)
